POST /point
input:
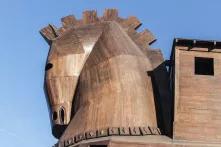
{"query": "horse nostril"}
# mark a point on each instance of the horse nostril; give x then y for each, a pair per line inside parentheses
(48, 66)
(62, 115)
(54, 116)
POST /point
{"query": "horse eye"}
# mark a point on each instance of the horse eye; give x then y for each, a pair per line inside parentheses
(54, 115)
(48, 66)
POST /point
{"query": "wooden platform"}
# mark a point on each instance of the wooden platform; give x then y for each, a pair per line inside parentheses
(142, 141)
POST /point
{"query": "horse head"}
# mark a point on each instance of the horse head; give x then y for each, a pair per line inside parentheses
(71, 52)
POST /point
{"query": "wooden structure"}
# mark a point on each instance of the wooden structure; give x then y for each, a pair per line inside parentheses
(107, 87)
(196, 76)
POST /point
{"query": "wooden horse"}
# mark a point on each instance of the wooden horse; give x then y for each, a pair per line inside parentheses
(96, 74)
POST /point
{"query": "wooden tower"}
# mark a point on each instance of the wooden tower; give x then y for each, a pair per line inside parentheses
(196, 76)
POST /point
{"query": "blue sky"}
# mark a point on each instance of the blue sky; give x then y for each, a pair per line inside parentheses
(24, 119)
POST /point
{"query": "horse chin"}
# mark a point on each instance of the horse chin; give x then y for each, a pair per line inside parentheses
(57, 130)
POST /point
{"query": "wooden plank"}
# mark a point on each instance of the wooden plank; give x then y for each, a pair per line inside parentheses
(132, 23)
(90, 17)
(110, 14)
(145, 37)
(49, 33)
(68, 21)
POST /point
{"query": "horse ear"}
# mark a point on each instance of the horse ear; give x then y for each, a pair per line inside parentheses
(49, 33)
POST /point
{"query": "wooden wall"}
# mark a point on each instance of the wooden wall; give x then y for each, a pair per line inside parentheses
(197, 111)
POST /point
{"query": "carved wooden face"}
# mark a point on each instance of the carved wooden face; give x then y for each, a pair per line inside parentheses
(66, 58)
(70, 47)
(60, 80)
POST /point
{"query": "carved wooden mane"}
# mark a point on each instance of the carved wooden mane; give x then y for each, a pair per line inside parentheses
(96, 74)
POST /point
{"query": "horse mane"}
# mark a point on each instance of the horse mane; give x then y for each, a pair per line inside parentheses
(131, 24)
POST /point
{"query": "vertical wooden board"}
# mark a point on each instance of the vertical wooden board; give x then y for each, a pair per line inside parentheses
(110, 14)
(68, 21)
(48, 33)
(90, 17)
